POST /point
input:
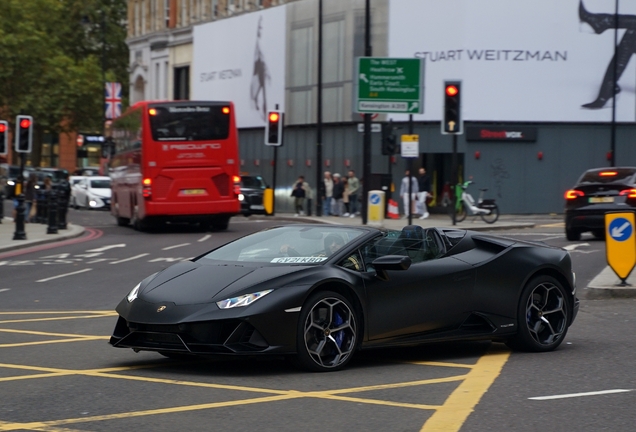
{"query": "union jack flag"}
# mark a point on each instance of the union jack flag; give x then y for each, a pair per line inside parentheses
(113, 100)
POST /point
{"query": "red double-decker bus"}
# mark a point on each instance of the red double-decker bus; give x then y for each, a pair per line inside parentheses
(175, 162)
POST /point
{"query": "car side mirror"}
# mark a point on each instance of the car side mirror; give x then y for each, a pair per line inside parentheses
(390, 262)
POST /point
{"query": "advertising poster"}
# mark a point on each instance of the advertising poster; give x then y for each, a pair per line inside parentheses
(530, 61)
(242, 59)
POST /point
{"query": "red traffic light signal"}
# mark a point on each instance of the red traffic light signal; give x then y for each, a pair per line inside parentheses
(4, 136)
(451, 90)
(3, 127)
(24, 134)
(274, 129)
(25, 123)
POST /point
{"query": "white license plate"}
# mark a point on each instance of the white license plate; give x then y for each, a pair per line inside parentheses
(257, 207)
(602, 199)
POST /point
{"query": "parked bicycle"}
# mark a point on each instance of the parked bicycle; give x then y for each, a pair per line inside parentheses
(465, 205)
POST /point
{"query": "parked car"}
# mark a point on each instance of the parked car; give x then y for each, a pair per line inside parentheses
(596, 192)
(251, 198)
(12, 172)
(91, 193)
(319, 293)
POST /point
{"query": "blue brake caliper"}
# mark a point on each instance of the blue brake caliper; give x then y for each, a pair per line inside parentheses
(337, 320)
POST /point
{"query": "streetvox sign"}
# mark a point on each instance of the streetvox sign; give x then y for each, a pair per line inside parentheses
(620, 243)
(390, 85)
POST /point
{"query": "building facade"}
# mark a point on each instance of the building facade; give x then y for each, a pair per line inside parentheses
(528, 131)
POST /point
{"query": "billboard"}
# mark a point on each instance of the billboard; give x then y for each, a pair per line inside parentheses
(242, 59)
(531, 61)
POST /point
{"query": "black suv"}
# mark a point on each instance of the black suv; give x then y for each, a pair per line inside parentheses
(597, 192)
(252, 190)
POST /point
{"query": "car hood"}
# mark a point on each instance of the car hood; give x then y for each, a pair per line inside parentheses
(190, 282)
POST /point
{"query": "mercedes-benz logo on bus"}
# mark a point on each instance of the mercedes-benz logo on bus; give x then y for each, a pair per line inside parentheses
(161, 308)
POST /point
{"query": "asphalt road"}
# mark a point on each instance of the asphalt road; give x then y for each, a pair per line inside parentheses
(58, 373)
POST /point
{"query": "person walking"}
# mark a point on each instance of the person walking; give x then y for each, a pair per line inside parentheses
(353, 189)
(423, 192)
(29, 196)
(298, 193)
(404, 192)
(326, 193)
(338, 195)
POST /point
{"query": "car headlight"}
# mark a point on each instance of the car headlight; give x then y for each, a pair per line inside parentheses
(241, 197)
(11, 183)
(133, 294)
(240, 301)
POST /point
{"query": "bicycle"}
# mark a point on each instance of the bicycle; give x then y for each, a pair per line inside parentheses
(487, 209)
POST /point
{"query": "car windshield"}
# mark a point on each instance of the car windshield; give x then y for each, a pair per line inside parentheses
(610, 175)
(253, 182)
(100, 184)
(288, 245)
(189, 123)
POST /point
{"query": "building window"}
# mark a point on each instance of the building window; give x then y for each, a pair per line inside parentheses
(300, 72)
(153, 15)
(157, 81)
(166, 10)
(184, 13)
(137, 20)
(143, 17)
(182, 83)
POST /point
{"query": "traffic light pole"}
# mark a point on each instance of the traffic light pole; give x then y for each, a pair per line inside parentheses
(410, 164)
(19, 233)
(366, 149)
(454, 181)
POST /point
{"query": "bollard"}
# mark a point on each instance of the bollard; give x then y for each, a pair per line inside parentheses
(19, 233)
(62, 210)
(52, 210)
(41, 214)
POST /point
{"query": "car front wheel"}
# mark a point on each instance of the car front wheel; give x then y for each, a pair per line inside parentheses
(327, 332)
(542, 315)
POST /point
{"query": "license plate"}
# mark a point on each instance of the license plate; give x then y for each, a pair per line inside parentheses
(257, 207)
(193, 192)
(602, 199)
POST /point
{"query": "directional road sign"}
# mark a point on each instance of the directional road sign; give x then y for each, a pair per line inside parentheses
(390, 85)
(620, 243)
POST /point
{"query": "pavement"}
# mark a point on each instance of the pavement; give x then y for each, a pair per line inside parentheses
(605, 285)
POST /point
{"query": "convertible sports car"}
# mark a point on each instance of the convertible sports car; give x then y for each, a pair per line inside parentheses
(318, 293)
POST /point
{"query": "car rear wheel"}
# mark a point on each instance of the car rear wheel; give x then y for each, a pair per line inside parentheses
(542, 315)
(327, 332)
(572, 234)
(599, 234)
(220, 223)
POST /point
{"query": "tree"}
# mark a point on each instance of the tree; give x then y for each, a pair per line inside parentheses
(51, 54)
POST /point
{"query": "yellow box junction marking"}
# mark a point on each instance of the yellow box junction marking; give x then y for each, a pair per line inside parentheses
(448, 417)
(620, 241)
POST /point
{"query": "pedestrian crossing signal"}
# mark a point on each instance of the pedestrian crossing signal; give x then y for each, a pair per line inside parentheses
(274, 129)
(4, 137)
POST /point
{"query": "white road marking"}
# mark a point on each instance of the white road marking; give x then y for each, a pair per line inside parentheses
(571, 395)
(4, 289)
(176, 246)
(105, 248)
(58, 256)
(131, 258)
(574, 246)
(4, 263)
(90, 255)
(64, 275)
(204, 238)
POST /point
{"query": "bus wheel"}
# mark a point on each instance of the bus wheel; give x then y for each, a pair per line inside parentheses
(221, 223)
(122, 221)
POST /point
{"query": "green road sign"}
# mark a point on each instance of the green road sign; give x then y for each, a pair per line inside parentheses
(390, 85)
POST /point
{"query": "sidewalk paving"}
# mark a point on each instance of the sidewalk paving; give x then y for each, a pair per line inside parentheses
(604, 285)
(35, 235)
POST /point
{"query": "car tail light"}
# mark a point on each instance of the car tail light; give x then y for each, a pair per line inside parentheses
(573, 194)
(237, 184)
(147, 191)
(607, 173)
(631, 193)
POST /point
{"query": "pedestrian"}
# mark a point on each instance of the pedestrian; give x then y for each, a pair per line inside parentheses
(345, 197)
(338, 195)
(309, 197)
(423, 192)
(64, 197)
(353, 189)
(298, 193)
(404, 192)
(29, 196)
(326, 193)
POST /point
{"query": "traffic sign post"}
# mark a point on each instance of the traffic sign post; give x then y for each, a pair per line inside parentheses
(620, 243)
(390, 85)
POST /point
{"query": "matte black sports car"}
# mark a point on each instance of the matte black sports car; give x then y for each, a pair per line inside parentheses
(321, 292)
(597, 192)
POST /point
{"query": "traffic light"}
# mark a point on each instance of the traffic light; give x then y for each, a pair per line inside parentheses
(389, 141)
(274, 129)
(452, 123)
(4, 137)
(24, 133)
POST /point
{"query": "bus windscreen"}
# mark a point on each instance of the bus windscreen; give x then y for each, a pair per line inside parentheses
(189, 123)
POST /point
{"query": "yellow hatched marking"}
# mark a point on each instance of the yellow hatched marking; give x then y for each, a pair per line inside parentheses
(456, 409)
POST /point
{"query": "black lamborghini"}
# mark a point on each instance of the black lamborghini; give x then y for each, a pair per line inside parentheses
(319, 293)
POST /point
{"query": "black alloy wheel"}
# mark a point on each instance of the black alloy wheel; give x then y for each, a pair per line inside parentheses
(327, 332)
(572, 234)
(492, 216)
(542, 316)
